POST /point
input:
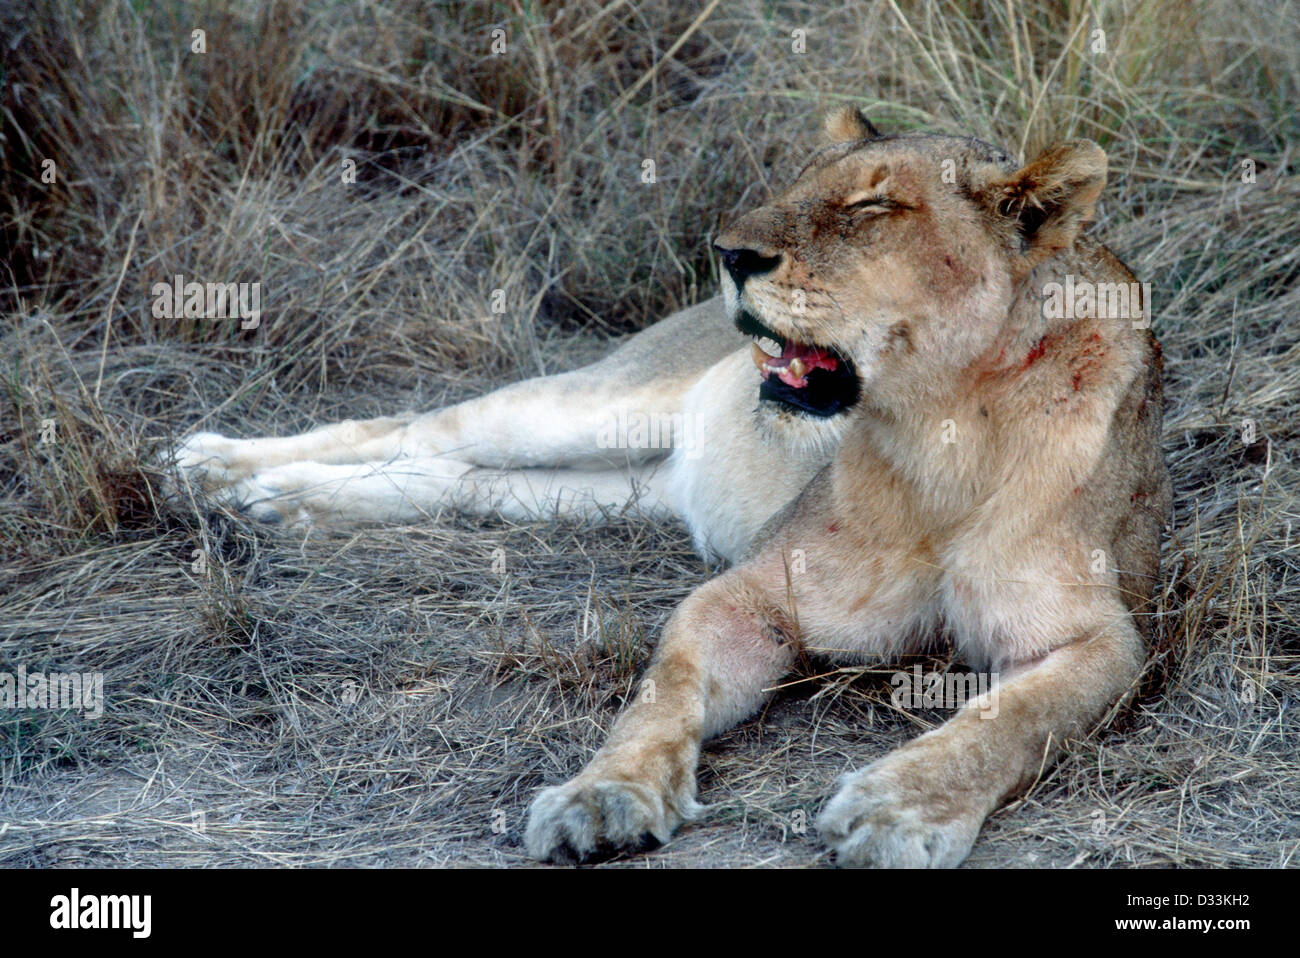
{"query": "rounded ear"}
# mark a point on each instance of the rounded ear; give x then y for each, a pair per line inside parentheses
(847, 125)
(1052, 198)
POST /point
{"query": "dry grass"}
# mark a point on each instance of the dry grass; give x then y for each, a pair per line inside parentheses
(383, 696)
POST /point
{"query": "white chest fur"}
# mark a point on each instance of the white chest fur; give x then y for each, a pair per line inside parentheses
(729, 480)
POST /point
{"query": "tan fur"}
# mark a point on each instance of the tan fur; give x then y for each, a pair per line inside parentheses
(994, 455)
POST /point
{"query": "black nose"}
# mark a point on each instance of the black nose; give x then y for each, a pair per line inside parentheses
(744, 263)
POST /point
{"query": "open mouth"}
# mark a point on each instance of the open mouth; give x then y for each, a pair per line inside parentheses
(813, 379)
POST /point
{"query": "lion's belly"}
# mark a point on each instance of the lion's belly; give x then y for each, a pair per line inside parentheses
(726, 482)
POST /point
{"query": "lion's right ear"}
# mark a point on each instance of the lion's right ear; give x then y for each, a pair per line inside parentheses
(847, 125)
(1051, 198)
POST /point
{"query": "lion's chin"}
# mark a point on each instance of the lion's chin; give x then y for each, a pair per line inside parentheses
(798, 434)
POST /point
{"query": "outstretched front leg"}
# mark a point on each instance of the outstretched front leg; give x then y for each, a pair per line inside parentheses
(723, 649)
(923, 804)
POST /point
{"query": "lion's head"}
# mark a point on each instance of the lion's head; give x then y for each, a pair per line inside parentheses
(891, 262)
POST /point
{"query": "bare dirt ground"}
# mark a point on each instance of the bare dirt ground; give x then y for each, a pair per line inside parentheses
(394, 696)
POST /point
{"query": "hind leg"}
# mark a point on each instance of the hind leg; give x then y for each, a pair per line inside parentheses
(578, 420)
(214, 461)
(407, 490)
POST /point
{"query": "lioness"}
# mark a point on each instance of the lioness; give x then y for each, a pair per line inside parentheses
(938, 450)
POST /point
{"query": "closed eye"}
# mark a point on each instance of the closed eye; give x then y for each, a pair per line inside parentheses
(877, 204)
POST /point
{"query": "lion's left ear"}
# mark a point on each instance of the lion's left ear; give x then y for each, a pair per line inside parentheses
(1052, 198)
(847, 125)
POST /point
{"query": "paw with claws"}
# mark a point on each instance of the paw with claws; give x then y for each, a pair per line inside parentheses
(897, 814)
(586, 819)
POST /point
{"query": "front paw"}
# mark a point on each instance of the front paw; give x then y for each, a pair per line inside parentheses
(584, 819)
(889, 816)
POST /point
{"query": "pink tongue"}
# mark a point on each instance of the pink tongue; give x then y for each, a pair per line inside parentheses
(812, 358)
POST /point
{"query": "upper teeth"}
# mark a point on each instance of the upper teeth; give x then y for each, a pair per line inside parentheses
(769, 346)
(795, 367)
